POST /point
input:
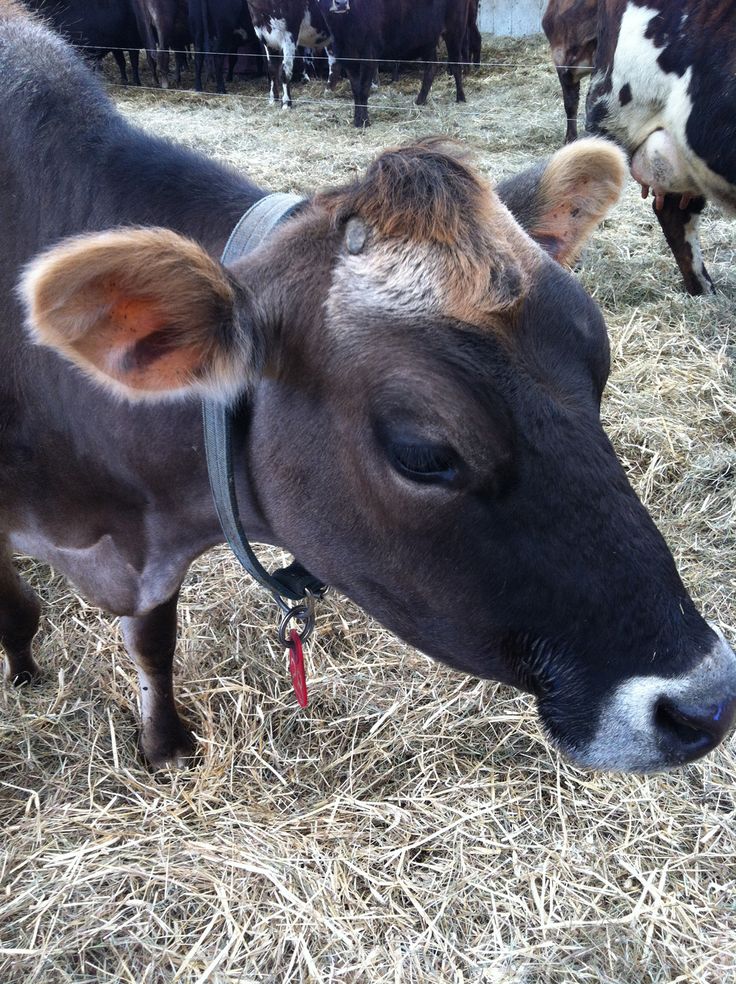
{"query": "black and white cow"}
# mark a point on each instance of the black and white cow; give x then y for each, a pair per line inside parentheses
(664, 87)
(282, 26)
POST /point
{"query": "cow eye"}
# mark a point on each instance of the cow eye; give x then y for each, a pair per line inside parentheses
(427, 463)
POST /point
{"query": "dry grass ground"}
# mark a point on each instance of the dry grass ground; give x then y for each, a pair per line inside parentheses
(412, 824)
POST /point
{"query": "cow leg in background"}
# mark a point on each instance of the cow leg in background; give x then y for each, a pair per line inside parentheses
(680, 226)
(273, 63)
(334, 73)
(430, 70)
(180, 61)
(454, 65)
(162, 59)
(198, 65)
(135, 56)
(20, 611)
(219, 61)
(119, 57)
(571, 100)
(361, 79)
(151, 59)
(150, 640)
(288, 51)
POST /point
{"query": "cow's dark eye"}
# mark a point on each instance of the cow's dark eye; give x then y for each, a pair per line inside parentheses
(428, 463)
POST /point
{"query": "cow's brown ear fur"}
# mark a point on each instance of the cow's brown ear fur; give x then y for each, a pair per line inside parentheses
(145, 311)
(561, 202)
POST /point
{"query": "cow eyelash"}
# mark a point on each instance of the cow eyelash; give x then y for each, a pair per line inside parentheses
(425, 463)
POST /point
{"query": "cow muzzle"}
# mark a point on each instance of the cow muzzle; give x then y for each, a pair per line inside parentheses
(340, 6)
(653, 723)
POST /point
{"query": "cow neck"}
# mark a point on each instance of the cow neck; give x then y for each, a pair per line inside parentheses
(294, 582)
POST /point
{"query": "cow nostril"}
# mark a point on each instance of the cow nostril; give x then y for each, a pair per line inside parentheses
(692, 731)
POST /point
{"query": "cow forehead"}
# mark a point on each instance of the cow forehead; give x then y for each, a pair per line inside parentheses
(419, 278)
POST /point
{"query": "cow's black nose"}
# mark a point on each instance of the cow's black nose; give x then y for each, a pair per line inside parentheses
(687, 731)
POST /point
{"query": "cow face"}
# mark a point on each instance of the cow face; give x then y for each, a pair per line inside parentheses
(424, 431)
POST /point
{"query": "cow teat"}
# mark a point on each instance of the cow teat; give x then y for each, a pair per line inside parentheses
(356, 234)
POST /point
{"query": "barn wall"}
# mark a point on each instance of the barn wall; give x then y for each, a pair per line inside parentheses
(511, 16)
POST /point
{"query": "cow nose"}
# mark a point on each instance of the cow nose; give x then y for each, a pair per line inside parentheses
(687, 731)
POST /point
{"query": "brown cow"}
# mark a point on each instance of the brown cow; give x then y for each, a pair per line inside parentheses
(571, 29)
(417, 413)
(164, 27)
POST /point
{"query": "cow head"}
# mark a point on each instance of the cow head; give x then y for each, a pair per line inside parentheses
(571, 27)
(423, 431)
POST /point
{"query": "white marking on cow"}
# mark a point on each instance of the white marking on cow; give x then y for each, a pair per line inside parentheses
(103, 571)
(289, 53)
(626, 738)
(279, 38)
(147, 688)
(690, 233)
(309, 35)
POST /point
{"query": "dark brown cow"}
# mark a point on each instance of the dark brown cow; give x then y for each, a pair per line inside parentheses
(282, 26)
(216, 27)
(417, 412)
(97, 28)
(571, 27)
(165, 28)
(665, 89)
(365, 32)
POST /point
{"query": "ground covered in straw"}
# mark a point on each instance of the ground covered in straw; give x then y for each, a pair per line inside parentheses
(412, 824)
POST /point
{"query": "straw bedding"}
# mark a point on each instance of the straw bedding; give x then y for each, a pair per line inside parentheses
(411, 825)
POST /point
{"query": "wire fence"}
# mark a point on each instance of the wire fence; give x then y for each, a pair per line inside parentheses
(331, 59)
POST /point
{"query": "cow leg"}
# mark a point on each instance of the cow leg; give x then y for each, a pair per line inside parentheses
(680, 227)
(20, 611)
(571, 101)
(135, 56)
(162, 58)
(231, 60)
(180, 62)
(119, 57)
(288, 55)
(455, 68)
(151, 59)
(430, 70)
(333, 74)
(360, 82)
(219, 61)
(150, 640)
(198, 65)
(274, 75)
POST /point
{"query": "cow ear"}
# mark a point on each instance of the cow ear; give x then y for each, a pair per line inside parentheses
(146, 312)
(561, 201)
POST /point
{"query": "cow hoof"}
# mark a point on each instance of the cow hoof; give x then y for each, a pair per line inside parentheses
(22, 675)
(173, 748)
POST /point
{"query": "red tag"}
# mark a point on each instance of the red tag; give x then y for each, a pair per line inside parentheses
(296, 668)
